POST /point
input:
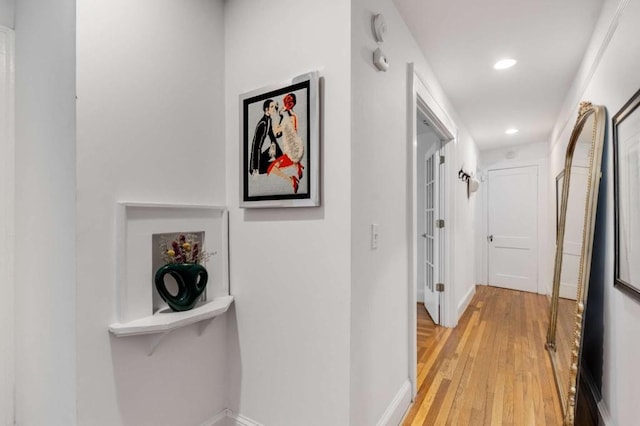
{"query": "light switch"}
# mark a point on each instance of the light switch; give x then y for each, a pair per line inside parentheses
(375, 235)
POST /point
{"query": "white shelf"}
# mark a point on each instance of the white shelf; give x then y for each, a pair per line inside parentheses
(166, 320)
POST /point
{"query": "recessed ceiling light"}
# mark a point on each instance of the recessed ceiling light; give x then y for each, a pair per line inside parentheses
(511, 131)
(503, 64)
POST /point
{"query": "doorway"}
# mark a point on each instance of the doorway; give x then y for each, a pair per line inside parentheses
(513, 228)
(423, 104)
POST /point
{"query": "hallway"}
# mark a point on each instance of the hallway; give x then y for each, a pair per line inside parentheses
(492, 369)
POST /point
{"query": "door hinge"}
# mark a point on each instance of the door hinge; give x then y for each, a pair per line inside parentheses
(439, 223)
(440, 287)
(442, 159)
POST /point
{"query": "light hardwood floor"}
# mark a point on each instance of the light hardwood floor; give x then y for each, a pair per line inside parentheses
(492, 369)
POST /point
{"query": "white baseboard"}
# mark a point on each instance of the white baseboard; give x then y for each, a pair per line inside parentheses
(395, 411)
(420, 295)
(604, 418)
(392, 416)
(240, 420)
(229, 418)
(466, 300)
(217, 420)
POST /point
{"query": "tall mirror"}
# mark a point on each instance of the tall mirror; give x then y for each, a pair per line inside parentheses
(577, 193)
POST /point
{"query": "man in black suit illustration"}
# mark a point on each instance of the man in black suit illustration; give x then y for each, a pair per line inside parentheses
(263, 151)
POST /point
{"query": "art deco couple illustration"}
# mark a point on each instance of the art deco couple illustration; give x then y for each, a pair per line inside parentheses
(277, 148)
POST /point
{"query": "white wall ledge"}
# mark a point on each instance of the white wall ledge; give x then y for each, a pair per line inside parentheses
(165, 320)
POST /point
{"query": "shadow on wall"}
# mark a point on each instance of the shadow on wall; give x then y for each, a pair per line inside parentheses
(234, 365)
(593, 339)
(183, 382)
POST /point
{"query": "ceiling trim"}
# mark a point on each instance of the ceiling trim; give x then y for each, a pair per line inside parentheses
(572, 102)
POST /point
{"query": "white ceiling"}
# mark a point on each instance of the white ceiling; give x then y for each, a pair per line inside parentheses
(462, 39)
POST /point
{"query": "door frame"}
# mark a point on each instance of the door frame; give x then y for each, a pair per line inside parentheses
(420, 96)
(7, 191)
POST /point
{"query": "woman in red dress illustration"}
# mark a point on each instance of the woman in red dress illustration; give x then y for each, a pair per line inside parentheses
(292, 145)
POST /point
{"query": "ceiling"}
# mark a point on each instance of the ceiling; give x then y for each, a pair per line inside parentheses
(462, 39)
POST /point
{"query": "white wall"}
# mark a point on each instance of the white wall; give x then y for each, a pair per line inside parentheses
(7, 8)
(150, 127)
(290, 268)
(609, 77)
(535, 154)
(380, 194)
(45, 274)
(7, 183)
(520, 154)
(465, 222)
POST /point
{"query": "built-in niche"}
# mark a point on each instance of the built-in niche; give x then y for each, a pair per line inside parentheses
(139, 229)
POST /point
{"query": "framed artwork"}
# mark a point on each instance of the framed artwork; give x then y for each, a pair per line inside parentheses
(626, 174)
(279, 136)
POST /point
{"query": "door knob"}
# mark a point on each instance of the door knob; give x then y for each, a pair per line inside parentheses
(424, 235)
(490, 238)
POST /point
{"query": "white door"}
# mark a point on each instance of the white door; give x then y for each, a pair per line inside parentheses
(513, 228)
(431, 238)
(571, 249)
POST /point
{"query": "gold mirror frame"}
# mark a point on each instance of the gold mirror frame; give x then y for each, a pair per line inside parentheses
(568, 387)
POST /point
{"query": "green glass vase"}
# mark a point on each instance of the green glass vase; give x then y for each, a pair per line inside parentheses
(191, 279)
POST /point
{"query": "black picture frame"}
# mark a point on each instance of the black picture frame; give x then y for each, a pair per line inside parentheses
(626, 195)
(279, 136)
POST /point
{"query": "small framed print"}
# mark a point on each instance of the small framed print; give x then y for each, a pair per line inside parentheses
(279, 134)
(626, 178)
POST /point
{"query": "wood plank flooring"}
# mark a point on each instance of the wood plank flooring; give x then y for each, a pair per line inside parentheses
(492, 369)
